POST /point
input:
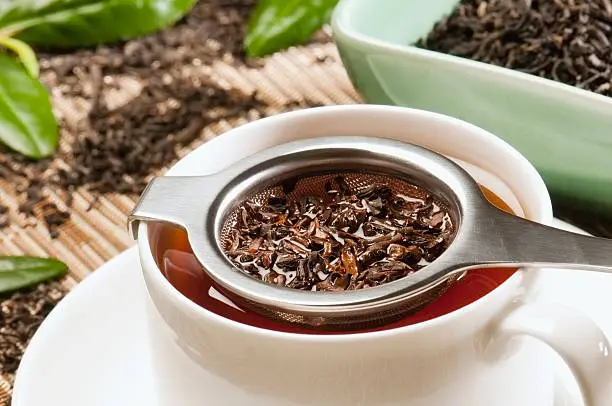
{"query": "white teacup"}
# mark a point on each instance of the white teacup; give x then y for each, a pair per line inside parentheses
(462, 358)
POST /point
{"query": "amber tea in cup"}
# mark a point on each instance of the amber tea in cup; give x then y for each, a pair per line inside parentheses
(180, 267)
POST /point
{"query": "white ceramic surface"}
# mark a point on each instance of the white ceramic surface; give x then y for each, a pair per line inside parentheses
(94, 350)
(461, 358)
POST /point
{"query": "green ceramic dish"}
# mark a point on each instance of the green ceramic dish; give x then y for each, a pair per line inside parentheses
(564, 131)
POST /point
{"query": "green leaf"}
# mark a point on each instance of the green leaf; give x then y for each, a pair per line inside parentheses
(20, 272)
(25, 54)
(279, 24)
(27, 124)
(73, 23)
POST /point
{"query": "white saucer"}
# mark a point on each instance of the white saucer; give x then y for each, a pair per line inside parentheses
(93, 348)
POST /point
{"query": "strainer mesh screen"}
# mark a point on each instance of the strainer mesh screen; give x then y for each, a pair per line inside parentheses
(315, 185)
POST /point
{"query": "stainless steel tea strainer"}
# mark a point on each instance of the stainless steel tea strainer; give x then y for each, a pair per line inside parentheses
(483, 236)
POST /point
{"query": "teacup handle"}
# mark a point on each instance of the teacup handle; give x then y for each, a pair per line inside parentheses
(575, 337)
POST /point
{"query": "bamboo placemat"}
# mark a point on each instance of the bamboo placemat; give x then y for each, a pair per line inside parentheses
(308, 75)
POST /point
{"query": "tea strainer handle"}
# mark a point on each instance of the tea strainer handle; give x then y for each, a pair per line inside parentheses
(179, 200)
(501, 239)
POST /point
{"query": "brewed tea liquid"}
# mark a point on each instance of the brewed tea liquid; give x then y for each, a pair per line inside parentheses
(175, 258)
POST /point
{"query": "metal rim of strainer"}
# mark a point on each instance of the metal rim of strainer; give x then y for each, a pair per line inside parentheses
(221, 192)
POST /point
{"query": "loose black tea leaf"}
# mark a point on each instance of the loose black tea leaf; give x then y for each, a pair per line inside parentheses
(4, 220)
(21, 313)
(566, 41)
(344, 240)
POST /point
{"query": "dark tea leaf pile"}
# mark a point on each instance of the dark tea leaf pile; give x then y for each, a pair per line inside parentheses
(345, 240)
(568, 41)
(21, 313)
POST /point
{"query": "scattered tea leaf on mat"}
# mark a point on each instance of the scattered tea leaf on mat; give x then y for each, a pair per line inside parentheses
(69, 23)
(278, 24)
(20, 272)
(24, 52)
(21, 313)
(27, 124)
